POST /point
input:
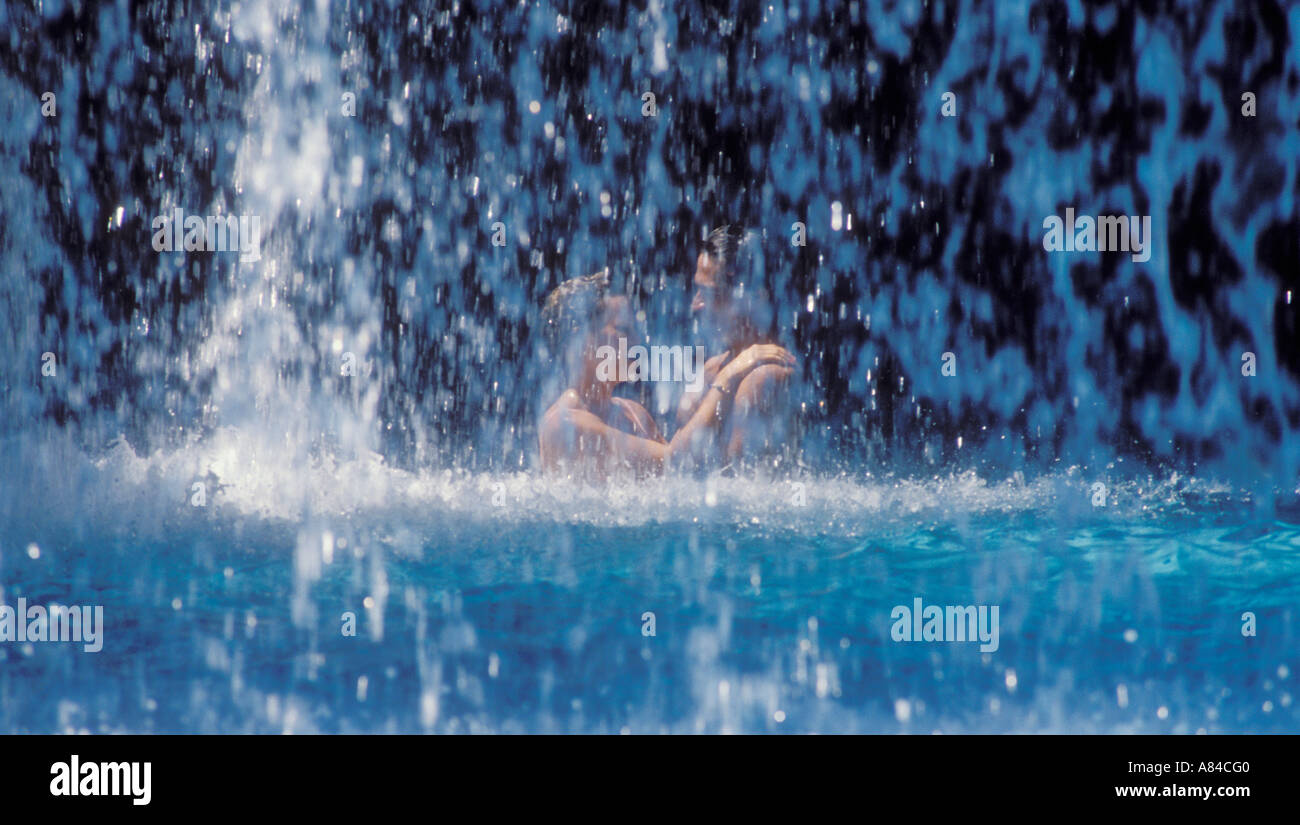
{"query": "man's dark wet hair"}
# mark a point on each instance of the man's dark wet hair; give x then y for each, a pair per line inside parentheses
(738, 252)
(571, 307)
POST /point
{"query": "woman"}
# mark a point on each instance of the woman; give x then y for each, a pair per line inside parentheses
(589, 432)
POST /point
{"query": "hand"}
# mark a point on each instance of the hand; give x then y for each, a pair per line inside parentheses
(750, 359)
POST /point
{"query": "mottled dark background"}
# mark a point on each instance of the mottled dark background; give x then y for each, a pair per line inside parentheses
(765, 117)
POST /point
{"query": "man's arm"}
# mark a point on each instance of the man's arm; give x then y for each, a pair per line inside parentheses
(761, 415)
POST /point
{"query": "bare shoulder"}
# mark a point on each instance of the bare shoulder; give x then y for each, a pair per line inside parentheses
(568, 401)
(641, 418)
(561, 411)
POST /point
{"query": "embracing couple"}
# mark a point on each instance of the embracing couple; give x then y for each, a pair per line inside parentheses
(740, 410)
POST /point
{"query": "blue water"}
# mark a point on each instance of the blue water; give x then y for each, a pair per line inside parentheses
(489, 598)
(769, 615)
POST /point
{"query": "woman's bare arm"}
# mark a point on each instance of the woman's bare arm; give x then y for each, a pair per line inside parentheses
(691, 398)
(591, 439)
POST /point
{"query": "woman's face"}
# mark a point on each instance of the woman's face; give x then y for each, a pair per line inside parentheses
(613, 321)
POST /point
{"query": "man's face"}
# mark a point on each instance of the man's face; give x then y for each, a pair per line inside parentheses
(712, 301)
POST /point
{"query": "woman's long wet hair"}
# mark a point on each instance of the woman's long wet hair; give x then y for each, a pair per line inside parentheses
(567, 317)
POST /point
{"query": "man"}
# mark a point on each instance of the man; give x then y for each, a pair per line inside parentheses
(734, 310)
